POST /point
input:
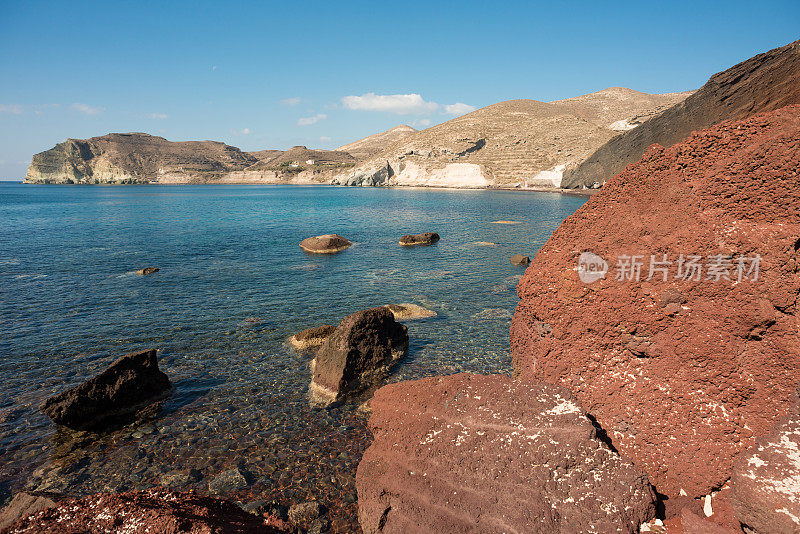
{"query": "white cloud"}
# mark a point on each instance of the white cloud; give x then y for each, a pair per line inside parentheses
(421, 123)
(213, 67)
(324, 139)
(243, 131)
(458, 108)
(308, 121)
(14, 109)
(291, 101)
(87, 109)
(400, 104)
(160, 116)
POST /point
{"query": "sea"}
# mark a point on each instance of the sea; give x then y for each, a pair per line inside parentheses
(233, 285)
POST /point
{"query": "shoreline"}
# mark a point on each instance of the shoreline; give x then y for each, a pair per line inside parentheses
(571, 192)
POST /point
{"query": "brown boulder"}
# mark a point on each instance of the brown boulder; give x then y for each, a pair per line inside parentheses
(139, 512)
(428, 238)
(407, 311)
(519, 259)
(477, 453)
(766, 481)
(325, 244)
(129, 385)
(680, 391)
(148, 270)
(357, 355)
(311, 338)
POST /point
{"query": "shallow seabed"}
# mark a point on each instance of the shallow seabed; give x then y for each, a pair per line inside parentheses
(233, 286)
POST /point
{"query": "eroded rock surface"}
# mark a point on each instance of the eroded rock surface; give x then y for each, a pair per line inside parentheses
(311, 338)
(476, 453)
(358, 354)
(681, 373)
(766, 481)
(129, 385)
(427, 238)
(139, 512)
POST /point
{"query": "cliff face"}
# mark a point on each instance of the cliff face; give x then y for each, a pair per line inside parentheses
(514, 143)
(143, 158)
(687, 358)
(765, 82)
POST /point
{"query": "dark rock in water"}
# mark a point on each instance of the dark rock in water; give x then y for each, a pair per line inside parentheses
(519, 259)
(148, 270)
(156, 510)
(176, 479)
(428, 238)
(311, 338)
(304, 514)
(325, 244)
(228, 481)
(766, 481)
(23, 505)
(476, 453)
(130, 385)
(357, 355)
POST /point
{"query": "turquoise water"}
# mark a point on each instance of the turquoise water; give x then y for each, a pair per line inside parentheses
(233, 286)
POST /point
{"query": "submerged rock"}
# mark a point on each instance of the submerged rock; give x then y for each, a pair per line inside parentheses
(476, 453)
(304, 514)
(519, 259)
(357, 355)
(428, 238)
(766, 481)
(154, 510)
(148, 270)
(682, 369)
(325, 244)
(311, 338)
(407, 311)
(228, 481)
(129, 385)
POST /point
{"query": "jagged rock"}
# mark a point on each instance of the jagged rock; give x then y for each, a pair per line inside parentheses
(23, 505)
(143, 511)
(475, 453)
(148, 270)
(357, 355)
(228, 481)
(325, 244)
(766, 82)
(766, 481)
(682, 393)
(129, 385)
(519, 259)
(428, 238)
(311, 338)
(407, 311)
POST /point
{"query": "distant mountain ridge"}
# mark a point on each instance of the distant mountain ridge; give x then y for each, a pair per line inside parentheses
(764, 82)
(369, 146)
(523, 143)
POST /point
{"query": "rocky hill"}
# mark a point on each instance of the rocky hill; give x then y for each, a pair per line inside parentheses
(134, 158)
(513, 143)
(143, 158)
(765, 82)
(371, 145)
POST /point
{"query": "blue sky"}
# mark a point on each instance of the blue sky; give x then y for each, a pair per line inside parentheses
(273, 75)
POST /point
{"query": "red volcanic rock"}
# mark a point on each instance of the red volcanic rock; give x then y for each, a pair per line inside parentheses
(476, 453)
(681, 374)
(766, 481)
(135, 512)
(23, 505)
